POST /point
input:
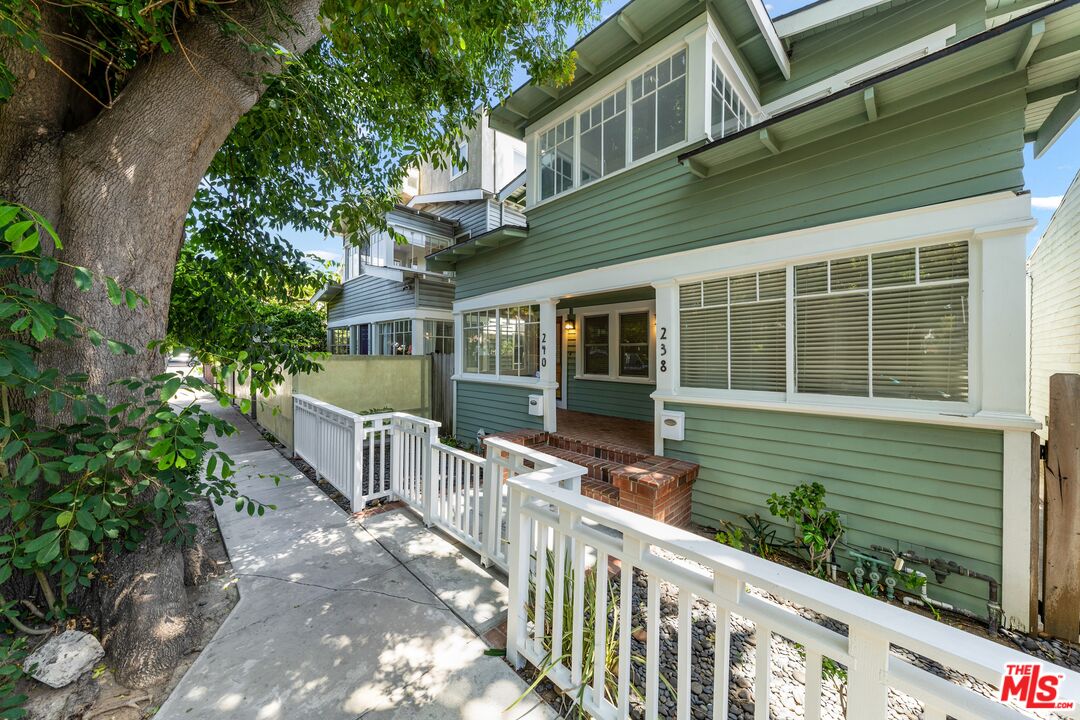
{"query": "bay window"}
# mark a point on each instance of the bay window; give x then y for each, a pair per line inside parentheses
(557, 159)
(503, 342)
(891, 325)
(339, 341)
(439, 336)
(394, 337)
(603, 137)
(729, 115)
(658, 106)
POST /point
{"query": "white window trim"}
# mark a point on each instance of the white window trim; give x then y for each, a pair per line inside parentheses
(613, 312)
(455, 171)
(686, 38)
(792, 395)
(997, 225)
(497, 377)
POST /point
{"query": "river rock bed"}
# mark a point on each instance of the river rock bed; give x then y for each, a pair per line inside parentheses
(788, 672)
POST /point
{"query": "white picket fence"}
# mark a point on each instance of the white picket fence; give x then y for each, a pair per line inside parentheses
(399, 456)
(521, 509)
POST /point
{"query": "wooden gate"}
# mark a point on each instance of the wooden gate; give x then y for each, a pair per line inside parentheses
(442, 390)
(1058, 484)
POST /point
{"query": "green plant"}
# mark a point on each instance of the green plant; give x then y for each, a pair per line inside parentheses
(866, 588)
(817, 529)
(762, 535)
(732, 535)
(87, 480)
(588, 635)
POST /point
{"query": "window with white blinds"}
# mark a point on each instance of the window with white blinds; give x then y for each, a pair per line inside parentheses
(732, 332)
(887, 325)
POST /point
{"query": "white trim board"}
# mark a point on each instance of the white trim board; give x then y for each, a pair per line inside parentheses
(894, 58)
(405, 314)
(1003, 212)
(821, 14)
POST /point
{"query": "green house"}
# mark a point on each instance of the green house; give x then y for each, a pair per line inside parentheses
(794, 248)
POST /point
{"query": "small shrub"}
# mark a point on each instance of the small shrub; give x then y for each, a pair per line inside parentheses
(817, 529)
(732, 536)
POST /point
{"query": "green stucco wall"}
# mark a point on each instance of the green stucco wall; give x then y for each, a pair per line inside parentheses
(357, 383)
(929, 488)
(952, 147)
(492, 408)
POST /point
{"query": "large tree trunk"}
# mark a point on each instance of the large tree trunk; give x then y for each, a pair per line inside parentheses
(117, 184)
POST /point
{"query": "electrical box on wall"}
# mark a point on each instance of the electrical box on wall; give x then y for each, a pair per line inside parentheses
(672, 424)
(536, 404)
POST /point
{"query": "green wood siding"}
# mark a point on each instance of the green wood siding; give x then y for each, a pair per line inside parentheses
(967, 144)
(492, 408)
(369, 294)
(933, 489)
(824, 52)
(626, 400)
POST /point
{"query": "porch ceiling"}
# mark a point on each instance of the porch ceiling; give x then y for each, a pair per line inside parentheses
(1046, 42)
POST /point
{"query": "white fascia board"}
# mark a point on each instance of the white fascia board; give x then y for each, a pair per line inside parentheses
(772, 38)
(447, 197)
(405, 314)
(821, 14)
(874, 66)
(997, 212)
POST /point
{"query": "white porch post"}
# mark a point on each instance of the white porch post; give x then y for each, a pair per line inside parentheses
(547, 361)
(667, 338)
(998, 268)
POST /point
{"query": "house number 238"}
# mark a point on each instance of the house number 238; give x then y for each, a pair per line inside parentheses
(662, 350)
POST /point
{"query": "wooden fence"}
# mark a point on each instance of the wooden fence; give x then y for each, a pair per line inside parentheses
(442, 390)
(1056, 526)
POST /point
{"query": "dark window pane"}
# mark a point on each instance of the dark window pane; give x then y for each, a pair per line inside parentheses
(596, 345)
(634, 344)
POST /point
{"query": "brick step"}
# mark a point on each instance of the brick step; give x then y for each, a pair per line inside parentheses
(596, 469)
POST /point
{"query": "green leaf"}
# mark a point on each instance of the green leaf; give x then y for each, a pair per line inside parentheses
(84, 279)
(170, 387)
(79, 541)
(116, 296)
(15, 231)
(64, 518)
(26, 243)
(161, 499)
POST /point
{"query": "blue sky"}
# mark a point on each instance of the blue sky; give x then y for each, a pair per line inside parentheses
(1047, 178)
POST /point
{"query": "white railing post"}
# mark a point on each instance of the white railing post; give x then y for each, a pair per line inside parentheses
(492, 501)
(428, 465)
(868, 691)
(518, 577)
(358, 499)
(395, 458)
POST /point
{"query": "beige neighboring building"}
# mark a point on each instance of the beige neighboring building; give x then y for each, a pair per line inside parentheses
(1054, 304)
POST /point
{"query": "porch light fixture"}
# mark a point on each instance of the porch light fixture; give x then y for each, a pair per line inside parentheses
(569, 324)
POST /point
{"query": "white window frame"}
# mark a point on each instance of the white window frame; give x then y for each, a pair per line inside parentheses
(612, 312)
(793, 397)
(497, 376)
(462, 149)
(395, 332)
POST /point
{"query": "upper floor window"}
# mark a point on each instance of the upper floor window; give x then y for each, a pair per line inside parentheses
(556, 153)
(729, 115)
(382, 250)
(603, 137)
(461, 161)
(658, 106)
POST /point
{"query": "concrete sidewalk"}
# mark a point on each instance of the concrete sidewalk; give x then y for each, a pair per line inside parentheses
(339, 620)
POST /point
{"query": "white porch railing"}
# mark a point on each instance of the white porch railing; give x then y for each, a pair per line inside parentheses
(399, 456)
(548, 522)
(522, 509)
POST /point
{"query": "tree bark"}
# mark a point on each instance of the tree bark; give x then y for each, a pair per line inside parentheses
(117, 188)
